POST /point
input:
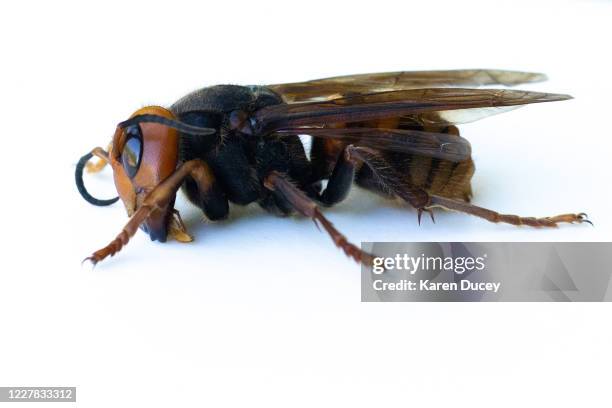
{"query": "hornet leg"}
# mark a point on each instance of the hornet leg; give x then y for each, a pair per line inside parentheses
(340, 181)
(493, 216)
(202, 189)
(307, 207)
(159, 198)
(424, 202)
(391, 180)
(100, 154)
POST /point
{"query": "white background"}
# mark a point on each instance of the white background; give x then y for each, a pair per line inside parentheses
(262, 311)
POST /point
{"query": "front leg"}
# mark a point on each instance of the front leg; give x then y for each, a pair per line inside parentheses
(102, 155)
(157, 200)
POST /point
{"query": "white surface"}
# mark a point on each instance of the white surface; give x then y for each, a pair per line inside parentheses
(262, 311)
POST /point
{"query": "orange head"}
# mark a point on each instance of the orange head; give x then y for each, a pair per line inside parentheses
(142, 155)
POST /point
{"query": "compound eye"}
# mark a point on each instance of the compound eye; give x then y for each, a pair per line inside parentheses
(132, 151)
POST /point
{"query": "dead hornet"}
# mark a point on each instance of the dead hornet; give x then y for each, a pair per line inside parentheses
(390, 133)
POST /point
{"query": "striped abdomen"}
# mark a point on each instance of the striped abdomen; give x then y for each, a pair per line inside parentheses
(436, 176)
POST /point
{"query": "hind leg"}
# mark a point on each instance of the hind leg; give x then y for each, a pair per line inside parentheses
(438, 176)
(388, 181)
(385, 179)
(424, 202)
(493, 216)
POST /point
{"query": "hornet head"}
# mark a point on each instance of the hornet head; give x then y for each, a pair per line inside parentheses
(143, 154)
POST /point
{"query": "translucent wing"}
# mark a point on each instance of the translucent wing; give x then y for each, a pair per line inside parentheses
(335, 87)
(456, 117)
(430, 144)
(432, 105)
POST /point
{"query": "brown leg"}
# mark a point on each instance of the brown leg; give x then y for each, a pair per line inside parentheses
(424, 202)
(177, 229)
(157, 200)
(304, 205)
(97, 167)
(391, 179)
(493, 216)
